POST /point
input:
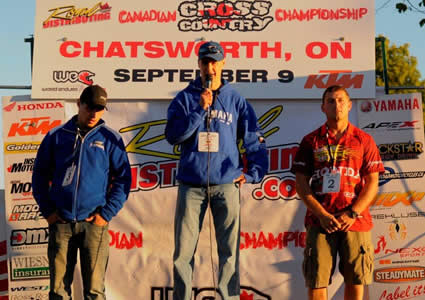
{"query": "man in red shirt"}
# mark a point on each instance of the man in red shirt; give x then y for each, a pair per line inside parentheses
(343, 164)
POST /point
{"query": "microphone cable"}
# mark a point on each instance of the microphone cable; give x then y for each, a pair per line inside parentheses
(209, 190)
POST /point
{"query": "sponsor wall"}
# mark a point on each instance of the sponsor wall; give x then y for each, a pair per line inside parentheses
(290, 48)
(3, 251)
(272, 231)
(396, 122)
(24, 125)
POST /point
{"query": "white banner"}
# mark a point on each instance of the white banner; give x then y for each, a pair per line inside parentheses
(272, 230)
(274, 49)
(396, 122)
(24, 125)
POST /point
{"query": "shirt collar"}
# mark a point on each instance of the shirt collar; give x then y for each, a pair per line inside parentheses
(324, 129)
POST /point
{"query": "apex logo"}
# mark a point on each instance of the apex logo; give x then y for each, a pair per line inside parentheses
(399, 125)
(74, 76)
(33, 126)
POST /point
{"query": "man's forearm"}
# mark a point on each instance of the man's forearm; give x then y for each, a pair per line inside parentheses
(367, 194)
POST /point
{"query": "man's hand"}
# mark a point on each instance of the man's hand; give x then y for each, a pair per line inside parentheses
(206, 99)
(54, 218)
(345, 220)
(97, 219)
(241, 180)
(329, 223)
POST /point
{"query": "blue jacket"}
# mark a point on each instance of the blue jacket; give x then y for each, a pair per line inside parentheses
(101, 180)
(233, 118)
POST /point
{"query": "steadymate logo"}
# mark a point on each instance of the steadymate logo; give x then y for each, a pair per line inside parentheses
(399, 274)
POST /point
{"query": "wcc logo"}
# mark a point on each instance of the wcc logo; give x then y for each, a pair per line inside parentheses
(73, 76)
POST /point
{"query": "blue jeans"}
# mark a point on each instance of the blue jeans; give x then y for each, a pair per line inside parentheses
(192, 203)
(64, 241)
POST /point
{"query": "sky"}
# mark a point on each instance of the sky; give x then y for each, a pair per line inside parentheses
(17, 23)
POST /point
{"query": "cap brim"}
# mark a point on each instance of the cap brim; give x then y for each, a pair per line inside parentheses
(214, 56)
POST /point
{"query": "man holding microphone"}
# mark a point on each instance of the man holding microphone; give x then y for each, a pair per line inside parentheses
(207, 119)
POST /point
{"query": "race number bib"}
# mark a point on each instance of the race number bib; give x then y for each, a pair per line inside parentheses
(208, 142)
(331, 183)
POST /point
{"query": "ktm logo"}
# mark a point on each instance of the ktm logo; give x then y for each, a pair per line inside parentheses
(74, 76)
(325, 80)
(32, 126)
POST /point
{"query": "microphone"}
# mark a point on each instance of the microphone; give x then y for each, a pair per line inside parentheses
(207, 85)
(208, 81)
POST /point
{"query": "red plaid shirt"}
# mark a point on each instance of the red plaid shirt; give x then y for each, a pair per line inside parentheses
(354, 156)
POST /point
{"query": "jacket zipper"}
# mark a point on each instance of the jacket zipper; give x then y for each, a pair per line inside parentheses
(74, 210)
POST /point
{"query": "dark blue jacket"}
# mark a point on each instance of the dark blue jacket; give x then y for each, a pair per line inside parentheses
(233, 118)
(102, 178)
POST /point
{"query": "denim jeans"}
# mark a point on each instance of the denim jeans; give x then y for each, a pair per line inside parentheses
(64, 241)
(192, 203)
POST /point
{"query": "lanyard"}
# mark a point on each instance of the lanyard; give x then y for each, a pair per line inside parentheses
(333, 158)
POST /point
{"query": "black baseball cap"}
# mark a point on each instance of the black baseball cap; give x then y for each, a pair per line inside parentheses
(94, 96)
(211, 50)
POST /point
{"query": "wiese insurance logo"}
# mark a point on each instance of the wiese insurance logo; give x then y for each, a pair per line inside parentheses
(29, 267)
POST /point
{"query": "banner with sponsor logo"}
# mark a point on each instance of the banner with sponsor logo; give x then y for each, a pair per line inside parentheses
(272, 230)
(291, 49)
(24, 125)
(396, 122)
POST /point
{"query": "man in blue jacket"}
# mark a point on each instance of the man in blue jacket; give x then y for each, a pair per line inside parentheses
(81, 179)
(207, 119)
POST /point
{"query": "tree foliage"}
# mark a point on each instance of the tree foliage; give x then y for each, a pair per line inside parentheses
(407, 5)
(401, 69)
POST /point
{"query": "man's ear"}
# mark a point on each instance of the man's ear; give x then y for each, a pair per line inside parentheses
(78, 103)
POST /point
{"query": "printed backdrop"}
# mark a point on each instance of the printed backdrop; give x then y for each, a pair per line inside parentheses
(290, 48)
(272, 231)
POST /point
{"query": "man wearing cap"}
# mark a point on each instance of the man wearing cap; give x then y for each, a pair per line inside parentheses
(81, 179)
(207, 119)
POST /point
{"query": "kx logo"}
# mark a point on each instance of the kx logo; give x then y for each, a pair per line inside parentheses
(32, 126)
